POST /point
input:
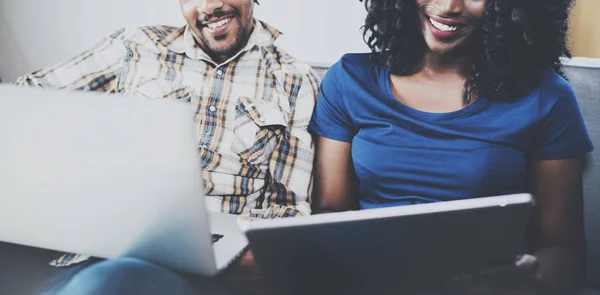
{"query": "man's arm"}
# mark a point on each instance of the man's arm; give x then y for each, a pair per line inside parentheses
(96, 69)
(291, 164)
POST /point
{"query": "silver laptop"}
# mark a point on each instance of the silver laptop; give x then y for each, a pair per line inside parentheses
(390, 250)
(108, 176)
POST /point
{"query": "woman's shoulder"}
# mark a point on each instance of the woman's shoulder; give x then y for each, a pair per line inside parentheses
(353, 63)
(354, 69)
(554, 87)
(353, 80)
(551, 90)
(356, 59)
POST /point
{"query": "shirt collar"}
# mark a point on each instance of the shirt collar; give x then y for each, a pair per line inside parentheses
(182, 41)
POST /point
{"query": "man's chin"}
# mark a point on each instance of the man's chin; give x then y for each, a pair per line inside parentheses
(222, 50)
(218, 47)
(226, 46)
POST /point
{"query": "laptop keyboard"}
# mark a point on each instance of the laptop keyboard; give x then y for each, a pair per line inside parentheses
(216, 237)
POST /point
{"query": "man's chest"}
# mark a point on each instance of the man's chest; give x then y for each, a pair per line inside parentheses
(239, 106)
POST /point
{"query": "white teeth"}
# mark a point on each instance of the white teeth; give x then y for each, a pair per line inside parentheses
(441, 26)
(215, 25)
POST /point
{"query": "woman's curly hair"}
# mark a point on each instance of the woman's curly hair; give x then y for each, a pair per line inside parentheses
(519, 41)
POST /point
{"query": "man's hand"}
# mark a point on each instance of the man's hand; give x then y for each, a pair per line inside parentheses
(244, 277)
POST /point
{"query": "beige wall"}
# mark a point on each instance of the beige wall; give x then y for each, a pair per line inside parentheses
(585, 28)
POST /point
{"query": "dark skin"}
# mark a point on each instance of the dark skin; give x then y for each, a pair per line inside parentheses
(437, 87)
(222, 43)
(244, 277)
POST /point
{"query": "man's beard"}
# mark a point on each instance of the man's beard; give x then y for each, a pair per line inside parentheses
(240, 40)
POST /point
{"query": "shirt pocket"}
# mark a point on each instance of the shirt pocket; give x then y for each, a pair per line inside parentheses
(160, 88)
(257, 129)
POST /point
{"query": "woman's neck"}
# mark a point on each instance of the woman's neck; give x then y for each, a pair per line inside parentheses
(436, 65)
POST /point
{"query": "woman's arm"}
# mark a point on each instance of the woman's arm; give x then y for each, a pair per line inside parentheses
(558, 224)
(336, 186)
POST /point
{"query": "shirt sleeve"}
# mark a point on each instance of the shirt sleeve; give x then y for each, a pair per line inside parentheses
(561, 133)
(331, 118)
(96, 69)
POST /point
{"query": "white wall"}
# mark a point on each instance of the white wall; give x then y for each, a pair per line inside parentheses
(37, 33)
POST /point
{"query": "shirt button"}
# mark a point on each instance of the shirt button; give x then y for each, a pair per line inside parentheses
(262, 119)
(219, 72)
(212, 109)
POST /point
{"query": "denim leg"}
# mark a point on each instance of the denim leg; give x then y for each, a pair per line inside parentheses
(126, 276)
(63, 275)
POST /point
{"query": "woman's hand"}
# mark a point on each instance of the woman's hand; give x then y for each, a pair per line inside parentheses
(244, 276)
(521, 278)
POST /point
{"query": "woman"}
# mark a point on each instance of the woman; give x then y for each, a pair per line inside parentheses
(459, 99)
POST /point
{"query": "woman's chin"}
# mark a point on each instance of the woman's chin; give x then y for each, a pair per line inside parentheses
(446, 49)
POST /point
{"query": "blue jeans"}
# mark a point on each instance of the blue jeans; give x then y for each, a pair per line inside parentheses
(129, 276)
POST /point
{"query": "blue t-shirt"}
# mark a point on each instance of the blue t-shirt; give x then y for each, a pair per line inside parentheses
(405, 156)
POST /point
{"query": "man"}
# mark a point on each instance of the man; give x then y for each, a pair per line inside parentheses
(253, 103)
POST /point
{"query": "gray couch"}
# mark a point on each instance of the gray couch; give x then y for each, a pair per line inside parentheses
(584, 75)
(22, 269)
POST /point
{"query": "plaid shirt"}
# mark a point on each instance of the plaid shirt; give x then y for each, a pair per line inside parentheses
(252, 110)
